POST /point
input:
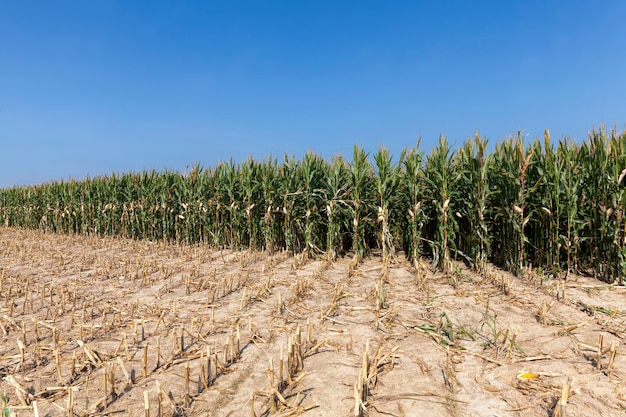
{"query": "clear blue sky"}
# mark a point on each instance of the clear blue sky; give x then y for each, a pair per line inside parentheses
(94, 87)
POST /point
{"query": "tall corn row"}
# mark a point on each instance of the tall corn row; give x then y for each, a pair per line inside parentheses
(217, 208)
(508, 202)
(359, 175)
(335, 193)
(570, 185)
(271, 231)
(543, 200)
(552, 207)
(610, 246)
(230, 193)
(414, 187)
(551, 204)
(617, 221)
(310, 175)
(203, 180)
(473, 185)
(250, 196)
(288, 192)
(440, 177)
(600, 183)
(619, 202)
(523, 160)
(386, 187)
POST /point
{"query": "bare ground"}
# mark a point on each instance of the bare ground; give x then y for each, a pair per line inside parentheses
(93, 326)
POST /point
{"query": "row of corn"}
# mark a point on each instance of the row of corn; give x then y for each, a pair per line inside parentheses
(558, 207)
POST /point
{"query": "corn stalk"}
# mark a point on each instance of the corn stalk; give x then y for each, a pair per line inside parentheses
(359, 176)
(414, 187)
(473, 163)
(310, 180)
(335, 192)
(386, 187)
(439, 176)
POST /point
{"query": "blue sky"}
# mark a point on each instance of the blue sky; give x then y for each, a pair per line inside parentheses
(94, 87)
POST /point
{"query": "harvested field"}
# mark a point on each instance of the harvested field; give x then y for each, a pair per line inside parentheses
(106, 326)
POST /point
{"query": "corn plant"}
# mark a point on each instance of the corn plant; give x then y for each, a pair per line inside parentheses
(543, 199)
(612, 208)
(508, 203)
(473, 168)
(359, 176)
(617, 203)
(228, 204)
(250, 186)
(310, 173)
(334, 195)
(570, 183)
(386, 186)
(440, 177)
(598, 199)
(414, 188)
(269, 190)
(288, 193)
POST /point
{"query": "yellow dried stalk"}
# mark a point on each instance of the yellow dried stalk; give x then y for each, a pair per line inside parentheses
(187, 396)
(146, 403)
(613, 351)
(129, 379)
(512, 344)
(358, 395)
(57, 361)
(280, 368)
(203, 378)
(280, 307)
(573, 327)
(111, 375)
(159, 399)
(449, 371)
(543, 312)
(22, 349)
(560, 408)
(73, 366)
(226, 359)
(94, 358)
(22, 394)
(70, 401)
(105, 382)
(599, 352)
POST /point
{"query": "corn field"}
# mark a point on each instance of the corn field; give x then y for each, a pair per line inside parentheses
(559, 208)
